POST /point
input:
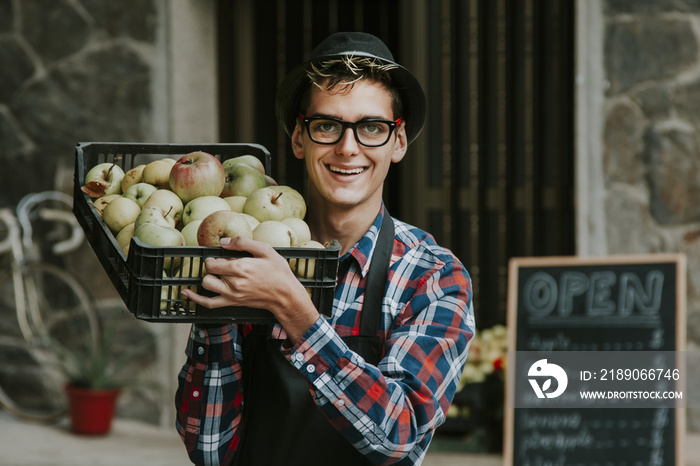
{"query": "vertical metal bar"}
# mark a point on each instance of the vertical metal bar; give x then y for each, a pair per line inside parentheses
(488, 171)
(529, 118)
(333, 15)
(502, 157)
(465, 123)
(474, 150)
(245, 85)
(358, 18)
(566, 112)
(446, 136)
(416, 54)
(539, 109)
(281, 71)
(568, 76)
(435, 91)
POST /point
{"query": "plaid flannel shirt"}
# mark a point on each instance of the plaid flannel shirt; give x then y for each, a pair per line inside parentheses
(390, 412)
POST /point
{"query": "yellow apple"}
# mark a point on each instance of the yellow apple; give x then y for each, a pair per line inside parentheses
(157, 173)
(120, 212)
(305, 268)
(132, 177)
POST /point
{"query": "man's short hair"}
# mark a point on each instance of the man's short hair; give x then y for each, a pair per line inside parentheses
(341, 74)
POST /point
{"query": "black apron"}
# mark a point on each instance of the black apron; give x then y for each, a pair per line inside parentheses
(282, 424)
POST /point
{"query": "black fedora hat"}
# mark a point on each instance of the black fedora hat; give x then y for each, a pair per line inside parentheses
(352, 44)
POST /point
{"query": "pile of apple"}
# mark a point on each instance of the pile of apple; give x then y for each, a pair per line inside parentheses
(196, 201)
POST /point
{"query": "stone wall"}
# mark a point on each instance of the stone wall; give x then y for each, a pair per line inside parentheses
(72, 71)
(651, 142)
(651, 158)
(81, 71)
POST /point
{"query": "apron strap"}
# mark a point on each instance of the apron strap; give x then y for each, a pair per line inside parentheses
(377, 278)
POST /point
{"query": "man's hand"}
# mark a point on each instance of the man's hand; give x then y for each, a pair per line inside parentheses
(263, 281)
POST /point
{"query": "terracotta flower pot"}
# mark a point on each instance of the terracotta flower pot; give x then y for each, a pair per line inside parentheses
(91, 410)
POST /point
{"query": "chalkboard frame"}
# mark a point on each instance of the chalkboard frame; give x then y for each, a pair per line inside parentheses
(514, 266)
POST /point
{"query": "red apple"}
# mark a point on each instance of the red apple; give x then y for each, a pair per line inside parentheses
(195, 175)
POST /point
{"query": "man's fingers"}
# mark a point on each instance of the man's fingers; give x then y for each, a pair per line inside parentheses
(214, 284)
(238, 281)
(241, 243)
(206, 301)
(225, 265)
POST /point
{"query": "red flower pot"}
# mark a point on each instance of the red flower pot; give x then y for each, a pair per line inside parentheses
(91, 410)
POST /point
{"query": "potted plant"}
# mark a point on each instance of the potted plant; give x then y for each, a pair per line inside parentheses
(94, 379)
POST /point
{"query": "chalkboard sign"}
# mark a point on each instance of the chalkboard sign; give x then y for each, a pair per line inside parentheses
(608, 304)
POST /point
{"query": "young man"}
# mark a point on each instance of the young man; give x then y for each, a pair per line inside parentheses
(369, 384)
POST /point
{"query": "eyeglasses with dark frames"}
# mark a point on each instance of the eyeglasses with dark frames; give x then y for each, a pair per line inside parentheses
(369, 132)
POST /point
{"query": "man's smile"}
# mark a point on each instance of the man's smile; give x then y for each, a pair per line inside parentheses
(346, 171)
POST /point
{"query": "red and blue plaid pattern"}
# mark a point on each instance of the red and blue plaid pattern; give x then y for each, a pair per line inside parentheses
(388, 412)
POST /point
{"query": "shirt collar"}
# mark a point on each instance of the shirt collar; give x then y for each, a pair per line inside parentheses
(364, 248)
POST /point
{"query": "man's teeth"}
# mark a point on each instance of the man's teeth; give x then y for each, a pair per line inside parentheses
(347, 172)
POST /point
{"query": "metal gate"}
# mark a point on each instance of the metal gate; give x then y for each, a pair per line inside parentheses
(491, 176)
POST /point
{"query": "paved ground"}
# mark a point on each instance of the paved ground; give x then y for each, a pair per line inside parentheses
(134, 444)
(130, 443)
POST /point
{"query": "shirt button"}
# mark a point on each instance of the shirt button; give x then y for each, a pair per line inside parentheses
(299, 357)
(195, 394)
(202, 334)
(200, 350)
(310, 368)
(341, 403)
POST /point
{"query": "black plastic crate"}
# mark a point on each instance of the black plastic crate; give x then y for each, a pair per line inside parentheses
(139, 278)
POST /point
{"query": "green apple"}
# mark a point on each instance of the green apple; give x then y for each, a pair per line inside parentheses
(168, 201)
(275, 233)
(170, 295)
(305, 268)
(236, 202)
(132, 177)
(189, 231)
(154, 214)
(247, 159)
(265, 204)
(300, 228)
(162, 236)
(124, 236)
(101, 202)
(254, 222)
(292, 200)
(167, 295)
(140, 192)
(200, 207)
(222, 224)
(190, 267)
(103, 179)
(120, 212)
(241, 180)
